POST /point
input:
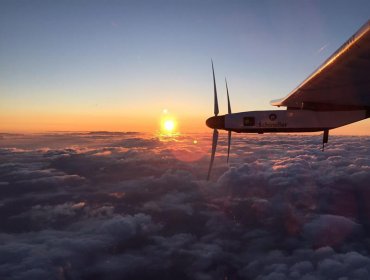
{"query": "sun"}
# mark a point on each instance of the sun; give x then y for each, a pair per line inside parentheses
(169, 125)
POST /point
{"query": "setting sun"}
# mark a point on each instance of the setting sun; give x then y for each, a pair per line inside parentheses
(169, 125)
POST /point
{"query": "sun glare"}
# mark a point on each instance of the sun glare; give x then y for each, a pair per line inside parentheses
(169, 125)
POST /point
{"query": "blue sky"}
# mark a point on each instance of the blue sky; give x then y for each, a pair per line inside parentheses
(137, 57)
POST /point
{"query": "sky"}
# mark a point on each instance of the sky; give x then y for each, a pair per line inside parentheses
(116, 206)
(94, 194)
(116, 65)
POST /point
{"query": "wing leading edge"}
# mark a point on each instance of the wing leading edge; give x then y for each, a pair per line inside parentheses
(342, 82)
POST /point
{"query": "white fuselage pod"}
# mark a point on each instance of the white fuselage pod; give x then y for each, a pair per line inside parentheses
(290, 120)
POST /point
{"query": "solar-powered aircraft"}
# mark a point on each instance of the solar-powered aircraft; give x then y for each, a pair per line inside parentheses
(336, 94)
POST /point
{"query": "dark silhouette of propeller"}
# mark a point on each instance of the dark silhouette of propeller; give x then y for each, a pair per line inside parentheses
(229, 112)
(212, 122)
(217, 122)
(215, 108)
(214, 145)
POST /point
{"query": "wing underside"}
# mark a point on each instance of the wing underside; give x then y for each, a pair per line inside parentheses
(342, 82)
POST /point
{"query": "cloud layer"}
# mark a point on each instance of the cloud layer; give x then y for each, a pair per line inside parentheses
(133, 206)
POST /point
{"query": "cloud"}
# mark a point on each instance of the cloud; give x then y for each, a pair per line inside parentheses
(329, 230)
(128, 205)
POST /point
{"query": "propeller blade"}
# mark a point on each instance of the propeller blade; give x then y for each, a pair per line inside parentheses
(214, 145)
(228, 99)
(228, 145)
(215, 92)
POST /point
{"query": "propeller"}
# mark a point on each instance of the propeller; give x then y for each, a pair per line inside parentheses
(228, 146)
(217, 122)
(229, 112)
(214, 145)
(215, 92)
(228, 99)
(215, 131)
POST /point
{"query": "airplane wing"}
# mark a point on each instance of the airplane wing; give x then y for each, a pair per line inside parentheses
(342, 82)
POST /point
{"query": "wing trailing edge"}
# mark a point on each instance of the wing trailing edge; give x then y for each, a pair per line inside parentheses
(342, 80)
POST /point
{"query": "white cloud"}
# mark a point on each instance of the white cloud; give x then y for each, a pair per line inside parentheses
(116, 206)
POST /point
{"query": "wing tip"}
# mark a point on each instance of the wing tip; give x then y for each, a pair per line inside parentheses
(277, 102)
(342, 49)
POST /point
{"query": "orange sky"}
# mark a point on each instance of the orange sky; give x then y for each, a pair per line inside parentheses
(44, 122)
